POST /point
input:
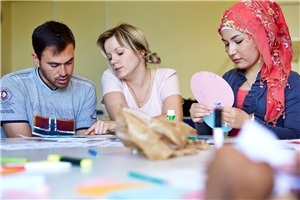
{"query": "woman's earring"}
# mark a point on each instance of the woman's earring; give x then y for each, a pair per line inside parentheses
(260, 59)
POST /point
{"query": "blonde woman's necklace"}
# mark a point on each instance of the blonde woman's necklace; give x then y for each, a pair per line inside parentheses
(146, 92)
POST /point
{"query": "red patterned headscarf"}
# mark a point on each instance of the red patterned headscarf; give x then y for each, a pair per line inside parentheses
(264, 22)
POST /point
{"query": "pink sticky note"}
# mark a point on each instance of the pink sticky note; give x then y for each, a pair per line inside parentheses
(211, 90)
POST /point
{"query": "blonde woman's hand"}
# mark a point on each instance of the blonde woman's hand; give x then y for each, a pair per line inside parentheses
(198, 111)
(101, 127)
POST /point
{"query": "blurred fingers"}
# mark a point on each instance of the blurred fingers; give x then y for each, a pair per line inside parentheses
(90, 131)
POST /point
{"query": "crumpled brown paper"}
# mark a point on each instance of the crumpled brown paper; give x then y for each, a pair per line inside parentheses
(157, 139)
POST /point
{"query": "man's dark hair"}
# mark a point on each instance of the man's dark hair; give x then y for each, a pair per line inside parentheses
(51, 34)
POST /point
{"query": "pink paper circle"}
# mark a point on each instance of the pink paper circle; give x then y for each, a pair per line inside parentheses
(211, 90)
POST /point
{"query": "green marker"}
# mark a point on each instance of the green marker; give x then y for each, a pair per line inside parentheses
(13, 160)
(83, 163)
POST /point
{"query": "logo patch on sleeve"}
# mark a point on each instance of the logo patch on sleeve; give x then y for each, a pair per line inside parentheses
(5, 94)
(5, 103)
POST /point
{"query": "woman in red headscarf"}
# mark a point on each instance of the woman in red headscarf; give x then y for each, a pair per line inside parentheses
(257, 40)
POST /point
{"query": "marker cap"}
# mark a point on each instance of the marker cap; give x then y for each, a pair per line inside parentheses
(86, 163)
(218, 117)
(54, 158)
(171, 112)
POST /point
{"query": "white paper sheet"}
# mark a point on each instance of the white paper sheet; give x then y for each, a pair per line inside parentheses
(68, 143)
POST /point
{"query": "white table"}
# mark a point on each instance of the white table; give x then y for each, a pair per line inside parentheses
(113, 165)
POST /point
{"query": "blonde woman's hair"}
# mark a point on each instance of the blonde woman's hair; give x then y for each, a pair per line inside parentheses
(132, 38)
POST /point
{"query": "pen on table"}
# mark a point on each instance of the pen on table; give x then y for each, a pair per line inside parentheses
(93, 152)
(82, 162)
(144, 177)
(218, 134)
(5, 160)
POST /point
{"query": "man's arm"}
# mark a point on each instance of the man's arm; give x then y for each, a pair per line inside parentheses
(86, 116)
(81, 132)
(13, 129)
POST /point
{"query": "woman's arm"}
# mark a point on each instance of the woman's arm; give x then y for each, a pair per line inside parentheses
(173, 102)
(112, 93)
(167, 80)
(112, 101)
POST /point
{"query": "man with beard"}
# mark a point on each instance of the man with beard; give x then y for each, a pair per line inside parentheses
(48, 99)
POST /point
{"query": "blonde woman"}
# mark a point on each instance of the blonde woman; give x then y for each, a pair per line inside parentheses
(130, 82)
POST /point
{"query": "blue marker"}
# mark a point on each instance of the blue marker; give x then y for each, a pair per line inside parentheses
(146, 178)
(93, 152)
